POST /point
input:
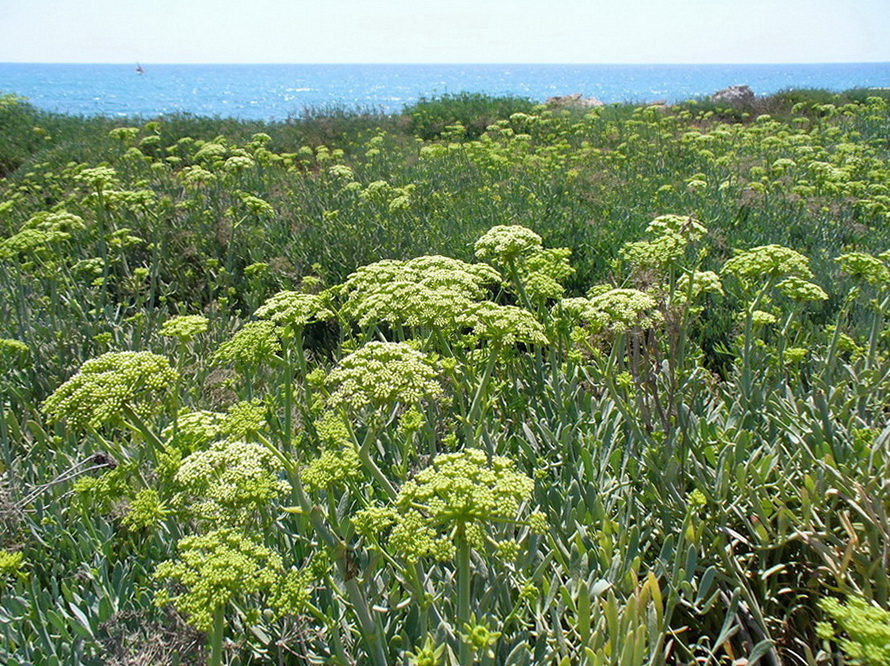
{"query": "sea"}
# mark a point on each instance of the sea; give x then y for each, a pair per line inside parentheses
(279, 92)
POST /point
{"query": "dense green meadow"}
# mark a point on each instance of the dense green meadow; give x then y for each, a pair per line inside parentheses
(480, 383)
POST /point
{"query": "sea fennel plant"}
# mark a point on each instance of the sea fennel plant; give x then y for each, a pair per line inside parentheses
(449, 510)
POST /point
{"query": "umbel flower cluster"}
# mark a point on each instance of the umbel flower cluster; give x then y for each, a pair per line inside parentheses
(768, 261)
(429, 291)
(504, 243)
(14, 355)
(214, 569)
(874, 270)
(184, 327)
(671, 236)
(39, 232)
(103, 387)
(461, 495)
(503, 325)
(194, 431)
(863, 630)
(291, 309)
(229, 482)
(255, 343)
(381, 374)
(613, 310)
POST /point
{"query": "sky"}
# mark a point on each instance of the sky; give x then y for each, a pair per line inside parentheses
(444, 31)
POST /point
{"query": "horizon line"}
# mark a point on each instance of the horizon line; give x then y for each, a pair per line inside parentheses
(454, 63)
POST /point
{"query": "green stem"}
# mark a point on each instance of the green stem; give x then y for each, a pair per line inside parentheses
(474, 414)
(369, 628)
(364, 454)
(216, 636)
(306, 407)
(463, 590)
(287, 436)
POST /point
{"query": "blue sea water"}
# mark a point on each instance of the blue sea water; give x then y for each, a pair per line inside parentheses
(275, 92)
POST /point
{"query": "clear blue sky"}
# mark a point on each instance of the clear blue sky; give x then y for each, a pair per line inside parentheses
(356, 31)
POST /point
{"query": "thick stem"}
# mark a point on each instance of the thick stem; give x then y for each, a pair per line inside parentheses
(475, 412)
(463, 590)
(287, 435)
(369, 628)
(306, 405)
(364, 453)
(216, 636)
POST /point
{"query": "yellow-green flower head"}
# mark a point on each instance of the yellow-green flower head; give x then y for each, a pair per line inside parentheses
(658, 254)
(370, 277)
(503, 325)
(552, 262)
(793, 355)
(575, 308)
(292, 593)
(244, 420)
(29, 243)
(541, 286)
(682, 225)
(126, 135)
(342, 171)
(703, 282)
(60, 221)
(801, 290)
(374, 521)
(104, 386)
(184, 327)
(238, 163)
(334, 467)
(478, 636)
(257, 342)
(504, 243)
(619, 310)
(195, 430)
(464, 490)
(129, 199)
(382, 374)
(409, 304)
(863, 630)
(14, 355)
(195, 176)
(428, 655)
(763, 318)
(210, 152)
(260, 139)
(332, 429)
(98, 178)
(436, 271)
(453, 280)
(229, 482)
(254, 204)
(10, 563)
(864, 266)
(146, 510)
(216, 568)
(768, 261)
(292, 309)
(467, 487)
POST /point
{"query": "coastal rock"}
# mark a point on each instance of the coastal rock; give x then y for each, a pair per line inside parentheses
(574, 100)
(734, 95)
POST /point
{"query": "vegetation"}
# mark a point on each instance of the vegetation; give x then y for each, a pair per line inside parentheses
(602, 386)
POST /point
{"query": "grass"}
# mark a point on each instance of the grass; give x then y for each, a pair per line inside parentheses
(683, 433)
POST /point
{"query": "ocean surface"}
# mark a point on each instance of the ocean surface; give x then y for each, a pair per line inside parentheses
(276, 92)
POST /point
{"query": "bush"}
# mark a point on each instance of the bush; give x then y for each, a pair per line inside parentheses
(475, 111)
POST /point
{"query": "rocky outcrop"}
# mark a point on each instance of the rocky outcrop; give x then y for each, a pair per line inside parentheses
(575, 101)
(734, 95)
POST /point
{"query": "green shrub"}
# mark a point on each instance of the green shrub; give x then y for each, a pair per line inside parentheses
(430, 117)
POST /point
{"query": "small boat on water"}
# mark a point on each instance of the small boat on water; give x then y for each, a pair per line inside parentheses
(139, 69)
